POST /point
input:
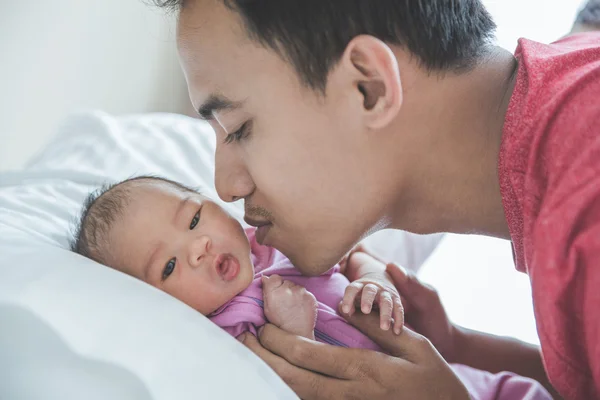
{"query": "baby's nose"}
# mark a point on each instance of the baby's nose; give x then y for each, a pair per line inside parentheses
(198, 250)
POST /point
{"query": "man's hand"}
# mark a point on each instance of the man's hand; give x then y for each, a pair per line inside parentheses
(315, 371)
(289, 306)
(424, 312)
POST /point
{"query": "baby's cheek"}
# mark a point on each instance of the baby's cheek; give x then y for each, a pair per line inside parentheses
(245, 278)
(206, 300)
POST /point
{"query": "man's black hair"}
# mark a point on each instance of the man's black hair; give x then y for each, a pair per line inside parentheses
(443, 35)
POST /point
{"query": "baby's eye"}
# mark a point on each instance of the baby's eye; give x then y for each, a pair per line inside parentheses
(169, 268)
(195, 220)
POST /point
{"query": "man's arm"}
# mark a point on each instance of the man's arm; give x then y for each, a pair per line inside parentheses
(496, 354)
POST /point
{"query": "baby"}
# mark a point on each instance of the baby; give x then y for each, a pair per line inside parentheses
(181, 242)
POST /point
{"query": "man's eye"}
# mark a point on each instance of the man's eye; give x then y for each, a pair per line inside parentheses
(240, 134)
(195, 220)
(169, 268)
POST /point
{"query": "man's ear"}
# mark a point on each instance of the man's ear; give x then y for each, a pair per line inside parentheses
(375, 76)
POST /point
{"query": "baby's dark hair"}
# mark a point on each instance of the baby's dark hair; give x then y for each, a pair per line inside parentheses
(101, 209)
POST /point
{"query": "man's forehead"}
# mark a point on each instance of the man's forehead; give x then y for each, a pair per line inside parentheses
(215, 52)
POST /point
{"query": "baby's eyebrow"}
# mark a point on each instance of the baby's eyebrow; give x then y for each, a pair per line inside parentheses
(151, 262)
(180, 207)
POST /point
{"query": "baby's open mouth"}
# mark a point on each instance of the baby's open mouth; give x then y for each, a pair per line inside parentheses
(227, 266)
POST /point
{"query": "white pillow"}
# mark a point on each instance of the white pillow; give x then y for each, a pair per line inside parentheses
(68, 316)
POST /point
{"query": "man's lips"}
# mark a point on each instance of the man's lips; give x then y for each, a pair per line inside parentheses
(262, 227)
(227, 267)
(256, 222)
(261, 233)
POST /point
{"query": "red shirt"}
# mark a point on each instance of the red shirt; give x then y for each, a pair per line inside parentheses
(549, 171)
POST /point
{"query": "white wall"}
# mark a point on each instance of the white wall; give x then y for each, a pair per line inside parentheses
(540, 20)
(60, 55)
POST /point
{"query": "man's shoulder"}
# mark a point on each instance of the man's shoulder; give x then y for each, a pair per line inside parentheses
(550, 140)
(554, 111)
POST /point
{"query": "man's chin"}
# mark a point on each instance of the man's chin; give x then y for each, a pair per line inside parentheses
(311, 267)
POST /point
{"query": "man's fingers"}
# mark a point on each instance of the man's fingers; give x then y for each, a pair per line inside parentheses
(274, 361)
(385, 309)
(418, 294)
(306, 384)
(398, 273)
(369, 293)
(407, 345)
(336, 362)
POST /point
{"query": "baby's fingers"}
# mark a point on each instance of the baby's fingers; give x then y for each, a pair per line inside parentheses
(385, 310)
(369, 293)
(271, 283)
(398, 316)
(352, 291)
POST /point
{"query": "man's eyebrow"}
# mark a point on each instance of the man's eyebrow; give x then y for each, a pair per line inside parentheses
(216, 103)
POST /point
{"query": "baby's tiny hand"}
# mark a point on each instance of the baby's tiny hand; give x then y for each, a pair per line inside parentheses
(375, 289)
(289, 306)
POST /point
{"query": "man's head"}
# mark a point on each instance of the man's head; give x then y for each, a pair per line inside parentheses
(313, 104)
(169, 236)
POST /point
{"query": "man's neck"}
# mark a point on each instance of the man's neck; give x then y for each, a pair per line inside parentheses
(456, 184)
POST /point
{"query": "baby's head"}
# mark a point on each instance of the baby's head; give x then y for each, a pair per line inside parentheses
(169, 236)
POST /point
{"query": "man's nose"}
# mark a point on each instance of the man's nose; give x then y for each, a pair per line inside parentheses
(199, 249)
(232, 180)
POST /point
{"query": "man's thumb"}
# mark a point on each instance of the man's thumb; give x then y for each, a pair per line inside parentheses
(399, 274)
(410, 288)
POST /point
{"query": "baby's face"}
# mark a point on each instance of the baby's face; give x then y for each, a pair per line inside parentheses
(182, 243)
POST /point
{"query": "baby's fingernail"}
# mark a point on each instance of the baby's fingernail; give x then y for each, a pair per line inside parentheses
(346, 308)
(242, 337)
(366, 309)
(262, 328)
